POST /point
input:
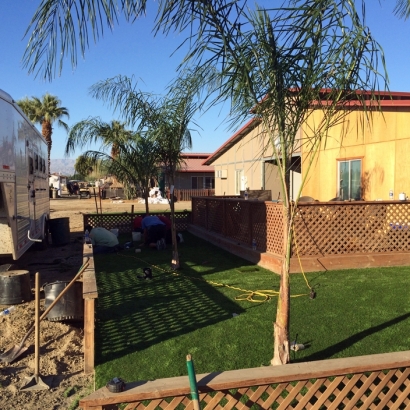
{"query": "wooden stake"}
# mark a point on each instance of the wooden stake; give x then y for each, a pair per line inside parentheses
(192, 382)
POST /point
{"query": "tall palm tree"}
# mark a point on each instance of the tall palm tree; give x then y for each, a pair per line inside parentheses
(132, 159)
(165, 120)
(45, 111)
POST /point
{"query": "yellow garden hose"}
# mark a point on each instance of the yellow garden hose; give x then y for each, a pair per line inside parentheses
(255, 296)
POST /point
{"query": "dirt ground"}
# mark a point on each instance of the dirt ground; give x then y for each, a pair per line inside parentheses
(61, 343)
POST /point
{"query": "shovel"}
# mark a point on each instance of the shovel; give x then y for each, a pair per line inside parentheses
(12, 354)
(36, 382)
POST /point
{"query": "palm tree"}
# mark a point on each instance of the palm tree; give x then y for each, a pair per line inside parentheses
(164, 120)
(46, 112)
(51, 42)
(283, 66)
(132, 159)
(402, 9)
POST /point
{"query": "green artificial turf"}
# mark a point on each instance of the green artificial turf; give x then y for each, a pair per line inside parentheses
(145, 329)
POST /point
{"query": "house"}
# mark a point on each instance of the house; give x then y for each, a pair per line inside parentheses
(245, 161)
(193, 174)
(360, 160)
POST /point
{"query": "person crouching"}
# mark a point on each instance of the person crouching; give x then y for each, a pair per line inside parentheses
(154, 232)
(103, 240)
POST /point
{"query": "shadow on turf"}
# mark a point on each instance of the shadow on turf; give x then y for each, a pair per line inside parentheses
(134, 314)
(350, 341)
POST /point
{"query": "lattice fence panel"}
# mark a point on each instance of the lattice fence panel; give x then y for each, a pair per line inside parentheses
(258, 227)
(215, 221)
(274, 228)
(124, 222)
(381, 390)
(199, 215)
(237, 221)
(337, 229)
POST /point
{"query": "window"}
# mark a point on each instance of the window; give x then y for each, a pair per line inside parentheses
(349, 182)
(239, 183)
(209, 183)
(197, 182)
(203, 182)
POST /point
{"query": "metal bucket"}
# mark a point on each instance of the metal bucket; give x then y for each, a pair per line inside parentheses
(70, 307)
(60, 231)
(15, 287)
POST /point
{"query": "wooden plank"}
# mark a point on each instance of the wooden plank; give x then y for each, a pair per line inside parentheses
(144, 390)
(89, 280)
(89, 337)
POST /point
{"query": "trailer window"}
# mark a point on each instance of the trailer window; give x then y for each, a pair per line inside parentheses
(30, 165)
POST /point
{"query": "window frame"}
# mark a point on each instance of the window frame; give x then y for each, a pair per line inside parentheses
(339, 179)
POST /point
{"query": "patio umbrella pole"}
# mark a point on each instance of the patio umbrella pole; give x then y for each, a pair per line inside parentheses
(192, 382)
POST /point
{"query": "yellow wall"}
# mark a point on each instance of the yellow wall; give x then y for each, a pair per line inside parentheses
(383, 145)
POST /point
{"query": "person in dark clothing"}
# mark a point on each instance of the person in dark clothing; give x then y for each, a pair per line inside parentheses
(154, 232)
(168, 233)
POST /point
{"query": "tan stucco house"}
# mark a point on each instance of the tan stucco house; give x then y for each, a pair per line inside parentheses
(361, 160)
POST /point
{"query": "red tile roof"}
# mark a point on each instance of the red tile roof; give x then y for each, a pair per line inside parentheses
(195, 164)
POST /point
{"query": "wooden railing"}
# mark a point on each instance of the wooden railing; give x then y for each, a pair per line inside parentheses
(327, 235)
(187, 194)
(379, 381)
(321, 228)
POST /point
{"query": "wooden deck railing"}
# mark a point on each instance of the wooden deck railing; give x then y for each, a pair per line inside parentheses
(379, 381)
(323, 230)
(187, 194)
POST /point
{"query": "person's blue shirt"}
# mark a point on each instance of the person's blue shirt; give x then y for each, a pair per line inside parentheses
(149, 221)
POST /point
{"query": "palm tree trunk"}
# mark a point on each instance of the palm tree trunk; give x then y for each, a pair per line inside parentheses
(47, 131)
(281, 326)
(175, 256)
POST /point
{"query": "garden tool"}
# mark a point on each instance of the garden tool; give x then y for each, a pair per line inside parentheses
(12, 354)
(35, 382)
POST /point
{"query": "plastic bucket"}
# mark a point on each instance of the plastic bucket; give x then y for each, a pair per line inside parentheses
(136, 236)
(60, 231)
(15, 287)
(70, 306)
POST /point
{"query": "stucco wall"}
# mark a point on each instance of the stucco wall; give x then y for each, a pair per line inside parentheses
(247, 155)
(383, 145)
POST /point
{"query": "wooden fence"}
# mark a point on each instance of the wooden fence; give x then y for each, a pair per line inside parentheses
(380, 382)
(322, 230)
(187, 194)
(124, 221)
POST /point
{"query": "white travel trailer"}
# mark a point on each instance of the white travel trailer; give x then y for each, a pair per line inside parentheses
(24, 190)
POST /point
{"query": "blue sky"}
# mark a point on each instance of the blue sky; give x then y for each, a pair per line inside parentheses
(132, 50)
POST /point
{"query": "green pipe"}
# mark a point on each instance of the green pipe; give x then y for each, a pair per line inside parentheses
(192, 382)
